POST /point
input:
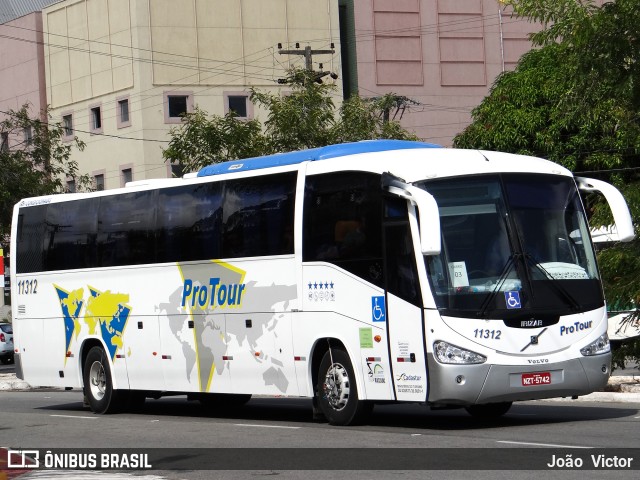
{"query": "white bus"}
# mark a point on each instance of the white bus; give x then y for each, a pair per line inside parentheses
(378, 271)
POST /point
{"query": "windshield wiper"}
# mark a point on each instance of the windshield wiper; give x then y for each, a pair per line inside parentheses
(562, 291)
(501, 279)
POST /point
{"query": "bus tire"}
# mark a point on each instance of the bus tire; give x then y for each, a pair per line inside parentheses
(337, 391)
(489, 410)
(98, 385)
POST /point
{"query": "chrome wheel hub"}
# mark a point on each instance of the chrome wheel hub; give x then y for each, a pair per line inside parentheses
(336, 387)
(97, 380)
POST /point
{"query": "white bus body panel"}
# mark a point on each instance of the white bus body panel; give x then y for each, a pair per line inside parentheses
(139, 316)
(250, 325)
(340, 305)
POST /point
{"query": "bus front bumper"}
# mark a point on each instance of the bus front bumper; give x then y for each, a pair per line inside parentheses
(479, 384)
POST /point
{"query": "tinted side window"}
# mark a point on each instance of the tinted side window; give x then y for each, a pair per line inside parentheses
(30, 241)
(258, 216)
(126, 229)
(189, 223)
(70, 237)
(342, 222)
(402, 273)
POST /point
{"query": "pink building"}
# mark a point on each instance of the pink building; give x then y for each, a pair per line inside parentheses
(22, 80)
(439, 56)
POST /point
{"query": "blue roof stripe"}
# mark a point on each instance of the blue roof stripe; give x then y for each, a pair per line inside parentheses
(313, 154)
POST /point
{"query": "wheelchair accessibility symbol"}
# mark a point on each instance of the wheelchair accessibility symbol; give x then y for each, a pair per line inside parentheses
(378, 309)
(512, 299)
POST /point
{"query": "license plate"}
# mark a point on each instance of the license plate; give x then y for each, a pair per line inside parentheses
(539, 378)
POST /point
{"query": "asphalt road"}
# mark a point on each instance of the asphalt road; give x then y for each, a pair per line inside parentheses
(56, 419)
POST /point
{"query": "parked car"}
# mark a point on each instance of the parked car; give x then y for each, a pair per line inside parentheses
(6, 343)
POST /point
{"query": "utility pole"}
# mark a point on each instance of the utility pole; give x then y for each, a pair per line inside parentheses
(308, 54)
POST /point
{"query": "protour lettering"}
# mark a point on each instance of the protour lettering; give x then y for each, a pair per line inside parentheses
(576, 327)
(215, 294)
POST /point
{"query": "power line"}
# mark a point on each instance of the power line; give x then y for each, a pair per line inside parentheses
(421, 29)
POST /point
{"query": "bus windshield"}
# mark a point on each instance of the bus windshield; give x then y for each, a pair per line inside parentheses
(513, 245)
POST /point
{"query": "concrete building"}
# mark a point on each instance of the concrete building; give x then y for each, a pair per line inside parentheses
(22, 76)
(120, 72)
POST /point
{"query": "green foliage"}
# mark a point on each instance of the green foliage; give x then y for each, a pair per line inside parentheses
(362, 119)
(576, 101)
(201, 141)
(305, 117)
(301, 119)
(33, 168)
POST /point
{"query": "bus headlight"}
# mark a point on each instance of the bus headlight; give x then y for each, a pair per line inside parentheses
(447, 353)
(601, 345)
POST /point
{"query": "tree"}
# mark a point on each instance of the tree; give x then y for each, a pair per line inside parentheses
(36, 165)
(575, 100)
(305, 117)
(201, 141)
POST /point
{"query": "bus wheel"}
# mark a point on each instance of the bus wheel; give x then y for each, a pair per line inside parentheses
(98, 386)
(489, 410)
(338, 392)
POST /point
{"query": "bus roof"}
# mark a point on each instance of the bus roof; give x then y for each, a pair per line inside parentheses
(313, 154)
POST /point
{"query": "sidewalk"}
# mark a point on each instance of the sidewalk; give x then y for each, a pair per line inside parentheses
(619, 389)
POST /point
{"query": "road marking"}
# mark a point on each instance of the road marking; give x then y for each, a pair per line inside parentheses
(88, 475)
(74, 416)
(264, 426)
(540, 444)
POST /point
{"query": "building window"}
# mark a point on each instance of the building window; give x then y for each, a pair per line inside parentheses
(4, 142)
(67, 125)
(28, 136)
(71, 186)
(127, 176)
(99, 182)
(95, 113)
(239, 104)
(176, 104)
(123, 118)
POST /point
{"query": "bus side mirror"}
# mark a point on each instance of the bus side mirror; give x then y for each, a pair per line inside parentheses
(428, 213)
(429, 216)
(621, 216)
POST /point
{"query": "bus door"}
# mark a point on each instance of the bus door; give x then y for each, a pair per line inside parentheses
(403, 304)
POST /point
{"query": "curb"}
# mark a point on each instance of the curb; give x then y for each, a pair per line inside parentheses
(625, 389)
(9, 381)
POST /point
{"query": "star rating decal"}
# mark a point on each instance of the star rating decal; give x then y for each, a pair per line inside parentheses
(321, 291)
